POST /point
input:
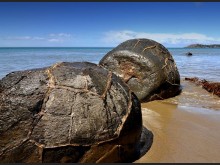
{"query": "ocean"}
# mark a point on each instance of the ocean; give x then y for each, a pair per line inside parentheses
(204, 63)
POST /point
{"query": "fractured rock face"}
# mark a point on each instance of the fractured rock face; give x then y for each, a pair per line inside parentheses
(69, 112)
(146, 66)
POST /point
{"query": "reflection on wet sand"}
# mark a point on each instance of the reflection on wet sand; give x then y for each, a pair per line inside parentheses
(186, 128)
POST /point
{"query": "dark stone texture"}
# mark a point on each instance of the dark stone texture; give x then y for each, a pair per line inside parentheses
(69, 112)
(189, 54)
(146, 66)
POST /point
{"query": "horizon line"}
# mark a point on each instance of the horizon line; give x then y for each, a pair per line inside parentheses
(69, 47)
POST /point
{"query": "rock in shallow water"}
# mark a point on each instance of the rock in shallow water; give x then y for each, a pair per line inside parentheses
(69, 112)
(212, 87)
(146, 66)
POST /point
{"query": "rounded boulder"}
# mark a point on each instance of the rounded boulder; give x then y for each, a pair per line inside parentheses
(69, 112)
(146, 66)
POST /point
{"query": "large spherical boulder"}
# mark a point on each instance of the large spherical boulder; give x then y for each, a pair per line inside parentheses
(69, 112)
(146, 66)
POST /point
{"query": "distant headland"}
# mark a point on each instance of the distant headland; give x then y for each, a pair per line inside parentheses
(203, 46)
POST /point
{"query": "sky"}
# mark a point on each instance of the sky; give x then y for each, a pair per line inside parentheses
(107, 24)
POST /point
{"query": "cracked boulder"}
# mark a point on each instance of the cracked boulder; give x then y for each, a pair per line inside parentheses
(146, 66)
(69, 112)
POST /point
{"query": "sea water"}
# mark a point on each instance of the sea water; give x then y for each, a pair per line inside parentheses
(204, 63)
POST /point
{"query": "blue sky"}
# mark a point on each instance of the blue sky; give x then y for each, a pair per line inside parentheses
(106, 24)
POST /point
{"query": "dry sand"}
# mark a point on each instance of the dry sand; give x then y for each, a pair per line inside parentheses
(186, 128)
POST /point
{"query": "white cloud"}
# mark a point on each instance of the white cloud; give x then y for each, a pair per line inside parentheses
(38, 38)
(116, 37)
(54, 40)
(64, 35)
(18, 38)
(59, 37)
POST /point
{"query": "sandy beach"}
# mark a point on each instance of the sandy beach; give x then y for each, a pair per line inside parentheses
(186, 128)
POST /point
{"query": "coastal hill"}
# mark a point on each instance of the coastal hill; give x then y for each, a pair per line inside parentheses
(203, 46)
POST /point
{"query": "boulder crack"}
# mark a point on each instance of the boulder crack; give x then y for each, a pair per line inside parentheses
(149, 47)
(108, 85)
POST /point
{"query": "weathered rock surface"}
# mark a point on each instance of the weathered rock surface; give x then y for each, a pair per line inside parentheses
(212, 87)
(69, 112)
(146, 66)
(189, 54)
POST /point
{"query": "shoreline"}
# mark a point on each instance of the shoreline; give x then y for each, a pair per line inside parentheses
(186, 128)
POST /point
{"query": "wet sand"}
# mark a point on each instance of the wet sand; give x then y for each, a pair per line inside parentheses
(186, 128)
